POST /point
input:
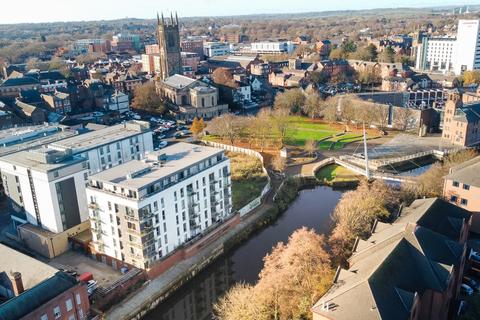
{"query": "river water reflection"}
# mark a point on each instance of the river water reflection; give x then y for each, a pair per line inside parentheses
(312, 209)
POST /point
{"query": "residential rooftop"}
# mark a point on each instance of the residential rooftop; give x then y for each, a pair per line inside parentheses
(397, 262)
(160, 164)
(23, 138)
(20, 306)
(42, 159)
(467, 172)
(33, 271)
(97, 138)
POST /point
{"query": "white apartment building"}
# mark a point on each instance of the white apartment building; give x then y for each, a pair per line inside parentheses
(273, 47)
(436, 54)
(46, 188)
(141, 211)
(119, 102)
(212, 49)
(111, 146)
(467, 56)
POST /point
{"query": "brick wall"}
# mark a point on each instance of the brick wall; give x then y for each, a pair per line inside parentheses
(189, 251)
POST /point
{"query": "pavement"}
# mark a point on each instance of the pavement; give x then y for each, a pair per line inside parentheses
(132, 304)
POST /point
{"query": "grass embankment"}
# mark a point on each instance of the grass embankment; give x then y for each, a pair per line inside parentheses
(333, 173)
(248, 179)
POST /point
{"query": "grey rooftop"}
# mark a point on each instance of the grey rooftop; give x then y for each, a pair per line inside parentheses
(137, 174)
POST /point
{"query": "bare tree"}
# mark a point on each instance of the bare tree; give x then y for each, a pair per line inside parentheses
(314, 105)
(311, 147)
(381, 115)
(403, 117)
(279, 164)
(282, 123)
(145, 97)
(291, 100)
(227, 126)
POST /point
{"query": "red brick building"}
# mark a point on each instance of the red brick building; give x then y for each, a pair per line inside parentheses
(411, 269)
(33, 290)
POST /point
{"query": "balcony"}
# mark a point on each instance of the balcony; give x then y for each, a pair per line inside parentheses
(135, 244)
(93, 205)
(131, 218)
(135, 256)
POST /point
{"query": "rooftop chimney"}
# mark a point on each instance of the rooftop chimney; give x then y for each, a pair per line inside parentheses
(17, 283)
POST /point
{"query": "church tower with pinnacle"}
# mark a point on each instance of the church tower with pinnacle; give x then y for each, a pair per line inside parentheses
(168, 36)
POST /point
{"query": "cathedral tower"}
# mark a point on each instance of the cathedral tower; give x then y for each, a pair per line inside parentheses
(168, 36)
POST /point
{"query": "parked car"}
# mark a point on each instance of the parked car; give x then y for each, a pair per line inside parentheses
(162, 144)
(471, 283)
(91, 286)
(465, 289)
(475, 256)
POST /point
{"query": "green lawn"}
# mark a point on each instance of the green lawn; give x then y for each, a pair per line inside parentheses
(248, 179)
(303, 129)
(335, 172)
(244, 191)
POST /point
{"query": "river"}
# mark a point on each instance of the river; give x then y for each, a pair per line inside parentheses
(312, 209)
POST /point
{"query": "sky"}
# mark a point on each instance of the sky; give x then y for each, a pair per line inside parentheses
(16, 11)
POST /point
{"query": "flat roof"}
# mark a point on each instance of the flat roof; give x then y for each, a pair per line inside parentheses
(178, 81)
(143, 172)
(33, 271)
(22, 138)
(99, 137)
(29, 159)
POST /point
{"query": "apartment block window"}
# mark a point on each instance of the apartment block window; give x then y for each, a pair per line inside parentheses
(455, 183)
(177, 219)
(163, 214)
(175, 195)
(453, 198)
(57, 313)
(463, 202)
(155, 206)
(466, 186)
(69, 304)
(176, 208)
(182, 193)
(162, 203)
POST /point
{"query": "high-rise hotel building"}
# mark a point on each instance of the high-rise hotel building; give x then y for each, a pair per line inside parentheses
(142, 210)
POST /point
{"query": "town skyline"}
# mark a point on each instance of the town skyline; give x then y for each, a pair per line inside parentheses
(106, 10)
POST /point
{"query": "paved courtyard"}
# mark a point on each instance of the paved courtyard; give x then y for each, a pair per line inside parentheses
(71, 260)
(406, 144)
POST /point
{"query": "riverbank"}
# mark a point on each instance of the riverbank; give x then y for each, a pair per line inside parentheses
(312, 208)
(157, 290)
